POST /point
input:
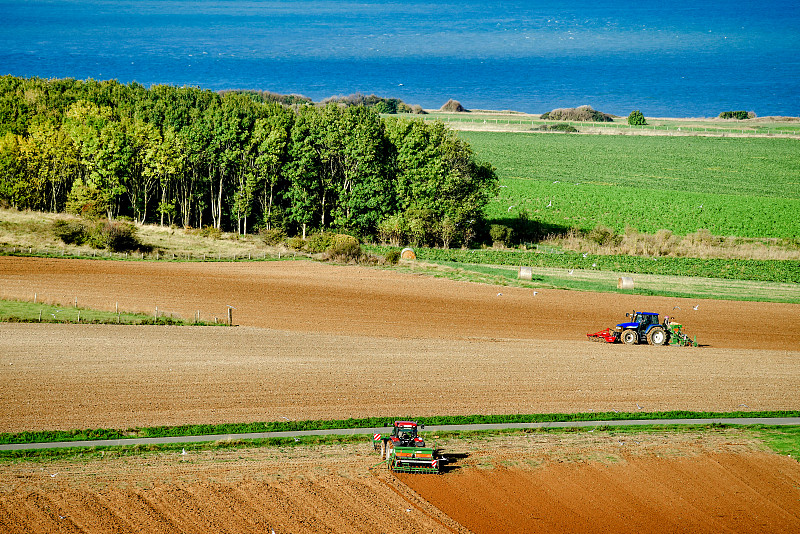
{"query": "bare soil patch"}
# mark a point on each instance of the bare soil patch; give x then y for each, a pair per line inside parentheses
(321, 341)
(525, 483)
(323, 298)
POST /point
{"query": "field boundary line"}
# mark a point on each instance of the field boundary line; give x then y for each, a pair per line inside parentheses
(743, 421)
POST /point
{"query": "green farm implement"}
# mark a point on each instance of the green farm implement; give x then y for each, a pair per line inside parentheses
(404, 450)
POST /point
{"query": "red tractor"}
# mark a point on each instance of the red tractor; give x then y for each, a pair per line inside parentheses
(404, 450)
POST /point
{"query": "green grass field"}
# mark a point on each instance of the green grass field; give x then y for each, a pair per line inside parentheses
(747, 187)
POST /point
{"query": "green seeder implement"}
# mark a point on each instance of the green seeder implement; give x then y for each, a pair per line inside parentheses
(404, 450)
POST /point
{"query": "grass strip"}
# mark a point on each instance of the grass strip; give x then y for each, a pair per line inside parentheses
(780, 439)
(49, 436)
(787, 271)
(14, 311)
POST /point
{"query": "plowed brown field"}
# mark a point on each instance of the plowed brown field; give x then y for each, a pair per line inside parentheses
(321, 341)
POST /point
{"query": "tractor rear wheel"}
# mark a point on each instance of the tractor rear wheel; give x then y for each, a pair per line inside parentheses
(657, 336)
(630, 337)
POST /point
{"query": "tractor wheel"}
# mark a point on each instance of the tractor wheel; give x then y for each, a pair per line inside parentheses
(383, 449)
(657, 336)
(630, 337)
(389, 448)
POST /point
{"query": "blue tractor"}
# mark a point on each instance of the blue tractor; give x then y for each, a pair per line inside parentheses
(643, 327)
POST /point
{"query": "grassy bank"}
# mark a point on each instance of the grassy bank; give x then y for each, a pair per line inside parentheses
(14, 311)
(371, 422)
(783, 440)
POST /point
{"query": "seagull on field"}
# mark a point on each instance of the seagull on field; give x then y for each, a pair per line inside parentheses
(499, 294)
(639, 407)
(695, 308)
(510, 208)
(550, 204)
(571, 271)
(183, 452)
(676, 307)
(585, 254)
(535, 293)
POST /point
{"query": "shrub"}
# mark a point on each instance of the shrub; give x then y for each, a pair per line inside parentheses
(115, 236)
(738, 115)
(392, 229)
(320, 242)
(296, 243)
(560, 127)
(71, 232)
(344, 248)
(210, 231)
(453, 106)
(604, 236)
(392, 257)
(581, 114)
(636, 118)
(86, 201)
(273, 236)
(500, 234)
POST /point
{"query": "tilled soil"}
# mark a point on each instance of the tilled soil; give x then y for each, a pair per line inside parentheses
(322, 341)
(588, 482)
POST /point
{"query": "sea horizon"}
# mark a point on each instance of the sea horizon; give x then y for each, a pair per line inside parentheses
(677, 59)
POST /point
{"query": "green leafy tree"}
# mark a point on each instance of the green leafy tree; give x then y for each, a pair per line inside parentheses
(636, 118)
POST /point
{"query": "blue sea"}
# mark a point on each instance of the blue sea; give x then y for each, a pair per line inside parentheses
(679, 58)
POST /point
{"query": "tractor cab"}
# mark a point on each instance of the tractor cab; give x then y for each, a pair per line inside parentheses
(640, 320)
(643, 327)
(404, 433)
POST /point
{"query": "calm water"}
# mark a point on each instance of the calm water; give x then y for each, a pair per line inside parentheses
(680, 58)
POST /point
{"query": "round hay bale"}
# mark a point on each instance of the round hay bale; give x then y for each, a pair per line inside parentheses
(408, 254)
(525, 273)
(625, 282)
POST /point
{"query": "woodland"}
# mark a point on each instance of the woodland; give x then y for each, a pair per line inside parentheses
(238, 161)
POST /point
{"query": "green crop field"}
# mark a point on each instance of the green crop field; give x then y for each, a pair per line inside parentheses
(747, 187)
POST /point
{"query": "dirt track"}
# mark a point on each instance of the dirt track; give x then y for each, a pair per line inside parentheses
(321, 341)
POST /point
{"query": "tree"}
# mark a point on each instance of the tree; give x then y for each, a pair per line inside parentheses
(437, 172)
(270, 147)
(636, 118)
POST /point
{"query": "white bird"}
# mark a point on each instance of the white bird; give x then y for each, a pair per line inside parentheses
(571, 271)
(695, 308)
(585, 254)
(535, 293)
(676, 307)
(594, 265)
(499, 294)
(183, 452)
(510, 208)
(638, 407)
(555, 182)
(53, 475)
(550, 204)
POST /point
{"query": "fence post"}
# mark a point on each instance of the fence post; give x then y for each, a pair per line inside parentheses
(230, 316)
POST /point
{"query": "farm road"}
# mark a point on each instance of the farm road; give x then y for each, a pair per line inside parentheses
(771, 421)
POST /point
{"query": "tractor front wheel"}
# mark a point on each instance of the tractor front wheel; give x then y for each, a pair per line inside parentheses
(657, 336)
(630, 337)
